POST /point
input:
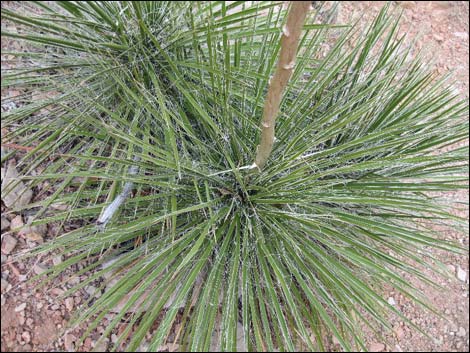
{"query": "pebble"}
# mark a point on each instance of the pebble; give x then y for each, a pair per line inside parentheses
(74, 280)
(463, 35)
(376, 347)
(57, 291)
(90, 290)
(5, 223)
(20, 307)
(461, 332)
(69, 303)
(438, 341)
(451, 268)
(57, 260)
(39, 269)
(399, 332)
(18, 195)
(8, 243)
(438, 38)
(36, 232)
(59, 206)
(69, 342)
(16, 223)
(32, 236)
(101, 345)
(461, 274)
(391, 301)
(26, 336)
(29, 322)
(5, 285)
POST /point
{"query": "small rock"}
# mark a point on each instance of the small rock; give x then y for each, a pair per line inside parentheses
(33, 232)
(21, 318)
(57, 260)
(438, 38)
(36, 237)
(8, 243)
(438, 341)
(101, 345)
(69, 342)
(114, 338)
(453, 327)
(463, 35)
(69, 303)
(461, 332)
(39, 269)
(16, 223)
(376, 347)
(20, 307)
(451, 268)
(391, 301)
(5, 223)
(5, 285)
(14, 191)
(59, 206)
(399, 332)
(90, 290)
(461, 274)
(87, 345)
(29, 322)
(73, 280)
(26, 336)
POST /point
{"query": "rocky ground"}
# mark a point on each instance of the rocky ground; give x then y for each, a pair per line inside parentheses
(34, 317)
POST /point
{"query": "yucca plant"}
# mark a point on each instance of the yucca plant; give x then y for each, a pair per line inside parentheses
(145, 123)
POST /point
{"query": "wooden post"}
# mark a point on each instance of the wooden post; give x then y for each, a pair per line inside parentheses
(289, 43)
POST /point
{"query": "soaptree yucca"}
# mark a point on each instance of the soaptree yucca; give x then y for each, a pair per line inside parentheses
(148, 123)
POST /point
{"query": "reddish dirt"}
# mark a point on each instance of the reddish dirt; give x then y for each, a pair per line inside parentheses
(443, 35)
(441, 29)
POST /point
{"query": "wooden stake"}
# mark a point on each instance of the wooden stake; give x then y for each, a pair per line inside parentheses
(285, 66)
